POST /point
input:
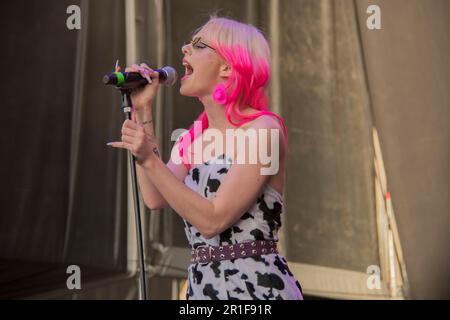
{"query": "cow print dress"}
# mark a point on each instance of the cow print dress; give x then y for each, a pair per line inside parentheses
(250, 278)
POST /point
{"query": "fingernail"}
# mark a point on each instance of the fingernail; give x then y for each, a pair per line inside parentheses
(109, 143)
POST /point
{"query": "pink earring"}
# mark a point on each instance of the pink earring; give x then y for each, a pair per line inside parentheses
(220, 94)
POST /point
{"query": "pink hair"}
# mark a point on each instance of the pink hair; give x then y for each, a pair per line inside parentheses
(250, 74)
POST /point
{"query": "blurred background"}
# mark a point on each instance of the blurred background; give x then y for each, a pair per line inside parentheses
(367, 111)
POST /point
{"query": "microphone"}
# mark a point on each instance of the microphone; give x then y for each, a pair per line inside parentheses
(131, 80)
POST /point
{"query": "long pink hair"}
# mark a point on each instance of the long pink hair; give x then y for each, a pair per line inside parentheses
(246, 50)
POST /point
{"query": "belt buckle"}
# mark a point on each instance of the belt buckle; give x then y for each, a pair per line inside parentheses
(209, 253)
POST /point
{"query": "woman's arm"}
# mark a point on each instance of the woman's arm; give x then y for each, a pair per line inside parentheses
(235, 195)
(150, 194)
(211, 217)
(142, 102)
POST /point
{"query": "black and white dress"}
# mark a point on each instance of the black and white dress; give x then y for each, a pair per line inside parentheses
(259, 278)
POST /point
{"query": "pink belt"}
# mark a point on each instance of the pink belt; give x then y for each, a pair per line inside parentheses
(205, 254)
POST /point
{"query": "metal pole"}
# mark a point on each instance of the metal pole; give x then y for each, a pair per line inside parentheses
(126, 106)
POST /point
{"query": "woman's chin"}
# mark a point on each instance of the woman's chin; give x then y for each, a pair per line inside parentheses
(183, 91)
(186, 92)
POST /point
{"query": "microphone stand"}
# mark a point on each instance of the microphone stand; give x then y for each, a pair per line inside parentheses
(126, 107)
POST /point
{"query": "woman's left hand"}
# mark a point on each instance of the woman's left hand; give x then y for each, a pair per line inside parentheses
(141, 144)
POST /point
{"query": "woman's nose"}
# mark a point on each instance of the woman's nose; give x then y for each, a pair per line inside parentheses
(184, 48)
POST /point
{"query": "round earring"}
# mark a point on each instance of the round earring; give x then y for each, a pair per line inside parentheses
(220, 94)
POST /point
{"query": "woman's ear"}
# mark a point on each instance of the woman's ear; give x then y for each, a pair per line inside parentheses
(225, 70)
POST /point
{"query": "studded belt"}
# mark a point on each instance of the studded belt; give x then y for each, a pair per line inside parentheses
(205, 254)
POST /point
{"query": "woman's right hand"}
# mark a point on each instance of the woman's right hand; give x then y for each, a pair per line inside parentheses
(143, 97)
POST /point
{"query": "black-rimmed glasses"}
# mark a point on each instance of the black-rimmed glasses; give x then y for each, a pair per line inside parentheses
(198, 44)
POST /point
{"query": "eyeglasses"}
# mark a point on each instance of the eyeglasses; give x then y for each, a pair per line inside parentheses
(197, 44)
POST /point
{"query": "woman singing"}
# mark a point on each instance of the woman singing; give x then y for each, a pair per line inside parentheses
(231, 208)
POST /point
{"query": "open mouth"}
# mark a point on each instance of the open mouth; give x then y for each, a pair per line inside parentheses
(188, 70)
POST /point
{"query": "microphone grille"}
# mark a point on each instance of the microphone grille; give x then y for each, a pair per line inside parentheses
(171, 75)
(107, 79)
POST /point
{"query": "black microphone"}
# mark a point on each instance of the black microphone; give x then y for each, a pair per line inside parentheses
(131, 80)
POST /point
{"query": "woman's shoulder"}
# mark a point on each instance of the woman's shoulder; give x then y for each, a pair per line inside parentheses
(264, 121)
(264, 125)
